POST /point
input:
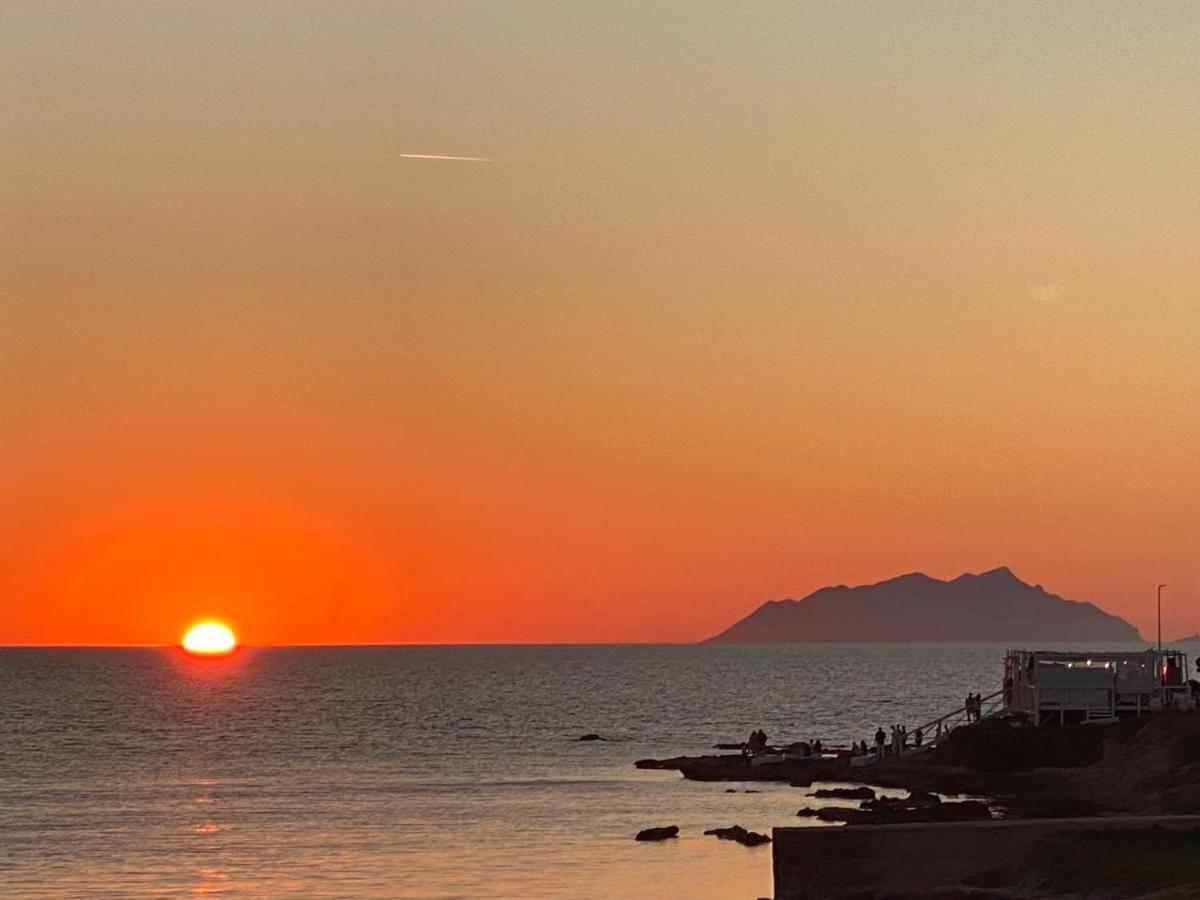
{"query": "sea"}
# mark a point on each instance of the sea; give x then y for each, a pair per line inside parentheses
(430, 772)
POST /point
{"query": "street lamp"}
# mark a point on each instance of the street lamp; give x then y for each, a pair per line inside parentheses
(1160, 587)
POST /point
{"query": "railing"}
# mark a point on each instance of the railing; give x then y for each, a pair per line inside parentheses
(936, 730)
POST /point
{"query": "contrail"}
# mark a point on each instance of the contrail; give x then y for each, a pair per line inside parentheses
(455, 158)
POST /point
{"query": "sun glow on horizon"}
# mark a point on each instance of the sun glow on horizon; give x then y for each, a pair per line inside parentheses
(209, 639)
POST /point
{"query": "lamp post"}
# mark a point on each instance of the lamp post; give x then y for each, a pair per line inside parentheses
(1160, 587)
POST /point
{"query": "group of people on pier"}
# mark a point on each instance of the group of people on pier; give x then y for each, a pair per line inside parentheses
(756, 744)
(898, 743)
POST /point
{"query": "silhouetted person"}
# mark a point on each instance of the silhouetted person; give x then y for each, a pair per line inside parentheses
(918, 737)
(758, 742)
(880, 740)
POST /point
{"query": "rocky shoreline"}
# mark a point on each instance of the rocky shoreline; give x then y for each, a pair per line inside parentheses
(1146, 766)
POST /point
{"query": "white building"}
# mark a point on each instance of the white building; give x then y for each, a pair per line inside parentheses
(1053, 686)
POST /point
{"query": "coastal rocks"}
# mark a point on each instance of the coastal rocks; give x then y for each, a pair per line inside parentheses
(658, 834)
(890, 811)
(675, 762)
(739, 834)
(1013, 745)
(858, 793)
(591, 737)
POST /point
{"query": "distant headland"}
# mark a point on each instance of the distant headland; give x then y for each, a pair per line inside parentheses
(992, 606)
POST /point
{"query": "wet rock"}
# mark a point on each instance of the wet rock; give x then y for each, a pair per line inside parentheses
(808, 813)
(675, 762)
(887, 811)
(592, 737)
(858, 793)
(922, 798)
(739, 834)
(658, 834)
(731, 790)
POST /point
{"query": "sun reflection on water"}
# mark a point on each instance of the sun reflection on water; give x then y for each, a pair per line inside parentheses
(211, 881)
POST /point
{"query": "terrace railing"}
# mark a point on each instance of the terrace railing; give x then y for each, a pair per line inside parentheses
(937, 729)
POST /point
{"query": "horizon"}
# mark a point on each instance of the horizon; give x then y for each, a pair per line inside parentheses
(1184, 636)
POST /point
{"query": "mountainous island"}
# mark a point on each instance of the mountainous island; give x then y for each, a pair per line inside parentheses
(992, 606)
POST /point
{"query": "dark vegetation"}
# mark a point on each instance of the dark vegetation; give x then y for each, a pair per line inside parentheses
(1117, 863)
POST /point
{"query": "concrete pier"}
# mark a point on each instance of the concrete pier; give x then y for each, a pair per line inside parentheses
(866, 861)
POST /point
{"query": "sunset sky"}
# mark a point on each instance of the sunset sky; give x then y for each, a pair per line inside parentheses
(747, 299)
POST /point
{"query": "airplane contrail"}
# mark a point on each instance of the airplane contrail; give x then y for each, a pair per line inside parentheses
(455, 158)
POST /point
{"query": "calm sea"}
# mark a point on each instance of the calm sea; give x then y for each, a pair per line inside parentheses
(419, 771)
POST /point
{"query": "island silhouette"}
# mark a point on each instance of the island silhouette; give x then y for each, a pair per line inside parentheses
(991, 606)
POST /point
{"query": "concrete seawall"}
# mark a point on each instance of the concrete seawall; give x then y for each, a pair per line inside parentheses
(881, 860)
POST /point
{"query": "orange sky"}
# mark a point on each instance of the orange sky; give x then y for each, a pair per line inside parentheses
(747, 302)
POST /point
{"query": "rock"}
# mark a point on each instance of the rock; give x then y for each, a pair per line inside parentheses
(730, 790)
(922, 798)
(751, 792)
(808, 813)
(739, 834)
(858, 793)
(675, 762)
(658, 834)
(887, 811)
(592, 737)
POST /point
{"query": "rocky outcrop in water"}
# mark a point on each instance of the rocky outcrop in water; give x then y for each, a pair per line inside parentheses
(1146, 766)
(858, 793)
(739, 834)
(658, 834)
(893, 811)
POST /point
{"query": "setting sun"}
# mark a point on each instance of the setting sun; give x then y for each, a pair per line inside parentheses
(209, 639)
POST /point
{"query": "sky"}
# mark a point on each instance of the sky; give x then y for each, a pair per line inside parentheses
(736, 301)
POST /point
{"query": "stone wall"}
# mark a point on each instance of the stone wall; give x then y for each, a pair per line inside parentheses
(883, 860)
